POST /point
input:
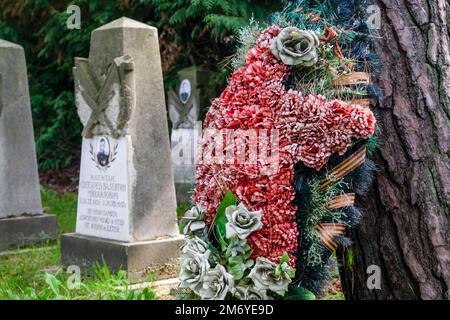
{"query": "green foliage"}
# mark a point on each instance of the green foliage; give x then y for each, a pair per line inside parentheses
(236, 267)
(299, 293)
(284, 267)
(221, 219)
(191, 32)
(247, 38)
(314, 15)
(373, 143)
(349, 259)
(6, 32)
(50, 51)
(221, 18)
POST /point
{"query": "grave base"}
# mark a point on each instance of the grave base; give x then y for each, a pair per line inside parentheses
(139, 259)
(25, 230)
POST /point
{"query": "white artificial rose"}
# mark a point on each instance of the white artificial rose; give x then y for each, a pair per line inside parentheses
(193, 220)
(241, 221)
(217, 283)
(265, 277)
(296, 47)
(194, 267)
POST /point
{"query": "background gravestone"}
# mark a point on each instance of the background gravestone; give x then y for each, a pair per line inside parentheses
(21, 217)
(126, 202)
(186, 103)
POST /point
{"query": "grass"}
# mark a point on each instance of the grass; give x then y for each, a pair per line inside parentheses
(336, 295)
(23, 276)
(19, 270)
(64, 206)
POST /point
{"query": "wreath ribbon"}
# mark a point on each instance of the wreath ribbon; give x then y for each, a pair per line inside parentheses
(327, 231)
(344, 168)
(341, 201)
(353, 78)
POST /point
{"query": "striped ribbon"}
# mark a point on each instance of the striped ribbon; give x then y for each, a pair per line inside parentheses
(344, 168)
(353, 78)
(327, 231)
(341, 201)
(361, 102)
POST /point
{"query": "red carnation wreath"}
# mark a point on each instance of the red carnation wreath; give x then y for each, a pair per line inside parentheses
(311, 129)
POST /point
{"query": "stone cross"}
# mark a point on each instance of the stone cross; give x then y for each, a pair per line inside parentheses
(184, 104)
(21, 216)
(126, 202)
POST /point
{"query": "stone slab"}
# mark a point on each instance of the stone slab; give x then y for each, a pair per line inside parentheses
(25, 230)
(139, 259)
(103, 194)
(19, 189)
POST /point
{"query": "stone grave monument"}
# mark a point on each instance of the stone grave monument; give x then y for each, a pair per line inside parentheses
(185, 103)
(126, 203)
(21, 216)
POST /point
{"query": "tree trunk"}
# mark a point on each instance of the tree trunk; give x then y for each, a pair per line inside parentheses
(405, 229)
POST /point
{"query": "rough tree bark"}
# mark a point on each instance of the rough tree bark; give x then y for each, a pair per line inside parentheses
(405, 230)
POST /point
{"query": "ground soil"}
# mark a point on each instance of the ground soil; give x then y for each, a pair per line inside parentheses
(61, 180)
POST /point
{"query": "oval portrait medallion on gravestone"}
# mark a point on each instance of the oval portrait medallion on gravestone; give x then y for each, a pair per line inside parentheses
(103, 152)
(185, 91)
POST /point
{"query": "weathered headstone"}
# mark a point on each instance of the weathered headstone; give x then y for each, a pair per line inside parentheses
(126, 203)
(21, 216)
(185, 103)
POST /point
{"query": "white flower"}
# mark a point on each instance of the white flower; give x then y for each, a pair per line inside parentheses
(296, 47)
(264, 276)
(237, 247)
(217, 283)
(195, 244)
(250, 293)
(194, 267)
(193, 220)
(242, 222)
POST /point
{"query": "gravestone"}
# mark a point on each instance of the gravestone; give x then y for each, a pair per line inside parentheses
(21, 216)
(126, 203)
(185, 103)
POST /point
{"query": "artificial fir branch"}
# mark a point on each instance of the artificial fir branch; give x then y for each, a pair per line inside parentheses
(316, 212)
